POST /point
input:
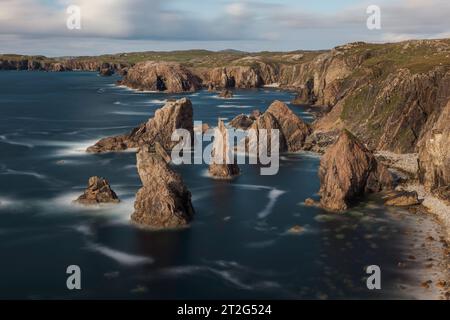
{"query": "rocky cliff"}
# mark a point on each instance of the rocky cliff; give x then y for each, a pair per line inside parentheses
(167, 77)
(347, 171)
(434, 157)
(174, 115)
(163, 201)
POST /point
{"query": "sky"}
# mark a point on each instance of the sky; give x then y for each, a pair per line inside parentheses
(113, 26)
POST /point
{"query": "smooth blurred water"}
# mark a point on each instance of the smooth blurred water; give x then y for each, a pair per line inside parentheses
(237, 247)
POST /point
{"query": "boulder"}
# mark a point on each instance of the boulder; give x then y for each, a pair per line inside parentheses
(294, 129)
(169, 77)
(97, 192)
(174, 115)
(402, 199)
(347, 171)
(226, 94)
(223, 164)
(163, 201)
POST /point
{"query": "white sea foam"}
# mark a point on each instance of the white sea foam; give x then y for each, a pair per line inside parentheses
(15, 143)
(23, 173)
(273, 196)
(121, 257)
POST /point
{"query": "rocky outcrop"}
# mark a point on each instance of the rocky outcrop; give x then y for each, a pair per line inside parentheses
(434, 157)
(163, 201)
(169, 77)
(98, 192)
(226, 94)
(223, 164)
(402, 199)
(294, 130)
(174, 115)
(347, 171)
(265, 122)
(242, 122)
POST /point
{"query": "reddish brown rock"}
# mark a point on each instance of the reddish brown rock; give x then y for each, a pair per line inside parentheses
(163, 201)
(348, 170)
(294, 129)
(167, 77)
(98, 192)
(434, 157)
(402, 199)
(241, 122)
(174, 115)
(223, 165)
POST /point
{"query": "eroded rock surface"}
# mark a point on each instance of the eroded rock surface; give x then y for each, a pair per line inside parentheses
(294, 129)
(434, 157)
(174, 115)
(169, 77)
(223, 165)
(98, 192)
(164, 200)
(348, 170)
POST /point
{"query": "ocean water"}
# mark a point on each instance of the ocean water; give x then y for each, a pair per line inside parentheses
(238, 247)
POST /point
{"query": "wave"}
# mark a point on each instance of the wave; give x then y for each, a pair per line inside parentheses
(15, 143)
(120, 256)
(23, 173)
(273, 196)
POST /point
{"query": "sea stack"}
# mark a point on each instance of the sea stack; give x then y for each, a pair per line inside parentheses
(347, 171)
(98, 192)
(174, 115)
(223, 164)
(294, 129)
(163, 201)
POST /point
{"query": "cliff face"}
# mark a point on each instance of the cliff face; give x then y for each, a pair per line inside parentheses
(347, 171)
(434, 156)
(168, 77)
(174, 115)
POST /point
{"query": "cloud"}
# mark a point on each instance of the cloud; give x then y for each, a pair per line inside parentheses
(242, 24)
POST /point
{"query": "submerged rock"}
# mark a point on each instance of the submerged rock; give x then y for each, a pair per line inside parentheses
(402, 199)
(223, 164)
(226, 94)
(174, 115)
(98, 191)
(348, 170)
(163, 201)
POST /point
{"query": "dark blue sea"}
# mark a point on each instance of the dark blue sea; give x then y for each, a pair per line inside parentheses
(238, 246)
